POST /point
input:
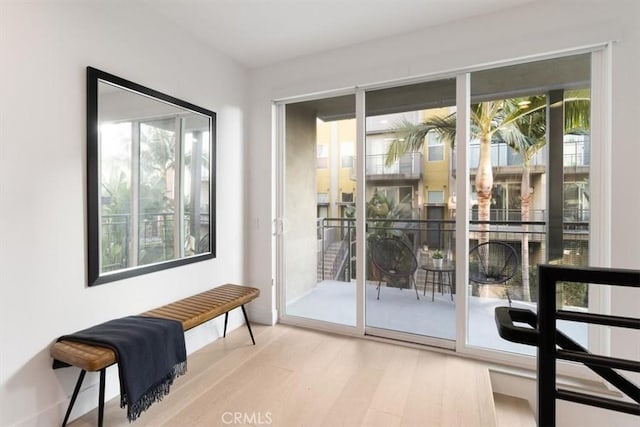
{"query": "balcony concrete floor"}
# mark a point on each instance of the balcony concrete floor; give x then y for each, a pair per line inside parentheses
(399, 310)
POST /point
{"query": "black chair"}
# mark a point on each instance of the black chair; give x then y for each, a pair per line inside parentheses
(395, 263)
(493, 263)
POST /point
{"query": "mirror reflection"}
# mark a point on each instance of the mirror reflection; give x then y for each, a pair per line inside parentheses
(154, 187)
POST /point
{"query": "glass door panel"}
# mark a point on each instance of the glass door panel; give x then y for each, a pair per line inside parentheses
(529, 174)
(319, 214)
(410, 237)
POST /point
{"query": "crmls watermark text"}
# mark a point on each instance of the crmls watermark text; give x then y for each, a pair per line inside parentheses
(254, 418)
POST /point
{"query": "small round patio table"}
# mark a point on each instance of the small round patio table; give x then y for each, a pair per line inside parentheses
(440, 276)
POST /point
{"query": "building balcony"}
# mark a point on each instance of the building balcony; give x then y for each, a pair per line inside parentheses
(407, 168)
(433, 314)
(506, 162)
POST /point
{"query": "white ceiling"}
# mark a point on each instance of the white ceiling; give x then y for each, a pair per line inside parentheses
(261, 32)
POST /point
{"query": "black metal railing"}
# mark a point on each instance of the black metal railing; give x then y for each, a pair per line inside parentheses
(553, 344)
(155, 237)
(339, 232)
(340, 267)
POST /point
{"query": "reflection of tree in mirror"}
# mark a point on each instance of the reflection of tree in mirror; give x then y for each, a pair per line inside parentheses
(156, 191)
(157, 165)
(152, 181)
(116, 205)
(115, 194)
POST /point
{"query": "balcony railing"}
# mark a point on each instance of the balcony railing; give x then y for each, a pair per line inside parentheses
(337, 235)
(155, 238)
(409, 166)
(510, 214)
(576, 154)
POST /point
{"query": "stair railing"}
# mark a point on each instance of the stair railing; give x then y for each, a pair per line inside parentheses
(340, 261)
(553, 344)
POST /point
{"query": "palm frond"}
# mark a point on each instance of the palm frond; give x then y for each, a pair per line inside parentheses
(409, 137)
(577, 115)
(445, 127)
(519, 122)
(515, 110)
(523, 125)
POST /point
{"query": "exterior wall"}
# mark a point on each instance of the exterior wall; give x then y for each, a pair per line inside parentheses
(301, 248)
(323, 176)
(45, 47)
(335, 179)
(346, 135)
(437, 174)
(337, 134)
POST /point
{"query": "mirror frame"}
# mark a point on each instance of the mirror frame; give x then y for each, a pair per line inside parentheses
(95, 277)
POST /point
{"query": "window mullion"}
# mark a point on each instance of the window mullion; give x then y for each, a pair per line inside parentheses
(361, 210)
(179, 208)
(463, 110)
(134, 226)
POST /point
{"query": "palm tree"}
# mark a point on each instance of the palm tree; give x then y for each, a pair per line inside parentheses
(491, 121)
(518, 122)
(381, 213)
(532, 129)
(157, 164)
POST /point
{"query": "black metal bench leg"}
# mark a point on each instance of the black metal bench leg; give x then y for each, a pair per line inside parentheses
(246, 320)
(226, 317)
(101, 397)
(74, 396)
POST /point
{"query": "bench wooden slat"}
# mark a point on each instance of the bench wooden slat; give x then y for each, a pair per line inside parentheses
(88, 357)
(191, 311)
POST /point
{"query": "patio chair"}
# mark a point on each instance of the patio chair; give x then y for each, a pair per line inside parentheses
(493, 263)
(395, 263)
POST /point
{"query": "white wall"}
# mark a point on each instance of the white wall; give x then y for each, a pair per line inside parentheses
(537, 28)
(44, 49)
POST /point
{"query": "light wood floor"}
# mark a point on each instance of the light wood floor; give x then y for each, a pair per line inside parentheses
(297, 377)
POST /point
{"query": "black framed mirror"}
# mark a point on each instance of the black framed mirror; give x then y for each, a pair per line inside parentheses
(150, 180)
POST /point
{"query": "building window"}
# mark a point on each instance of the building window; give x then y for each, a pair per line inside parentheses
(435, 197)
(577, 150)
(323, 212)
(322, 198)
(435, 147)
(347, 154)
(505, 203)
(576, 201)
(347, 197)
(323, 156)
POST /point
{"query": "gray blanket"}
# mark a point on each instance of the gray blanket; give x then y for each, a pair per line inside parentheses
(150, 353)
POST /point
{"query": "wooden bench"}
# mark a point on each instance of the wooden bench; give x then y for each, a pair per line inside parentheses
(191, 311)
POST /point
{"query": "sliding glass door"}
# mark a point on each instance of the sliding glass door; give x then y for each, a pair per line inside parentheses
(410, 231)
(458, 178)
(529, 171)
